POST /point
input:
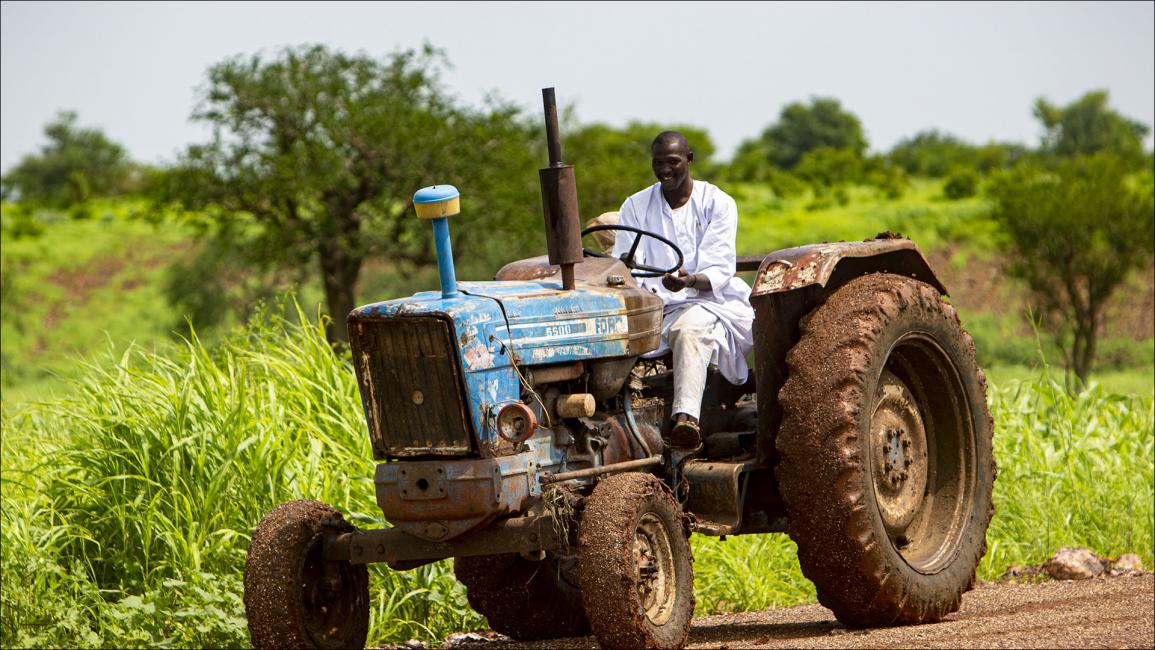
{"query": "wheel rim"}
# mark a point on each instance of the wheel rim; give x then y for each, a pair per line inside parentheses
(654, 559)
(921, 453)
(327, 596)
(898, 447)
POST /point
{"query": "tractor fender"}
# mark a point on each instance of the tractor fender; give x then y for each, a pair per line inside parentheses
(816, 264)
(792, 282)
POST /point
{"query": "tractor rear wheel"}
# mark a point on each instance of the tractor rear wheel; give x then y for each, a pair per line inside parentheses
(885, 461)
(293, 597)
(525, 599)
(635, 564)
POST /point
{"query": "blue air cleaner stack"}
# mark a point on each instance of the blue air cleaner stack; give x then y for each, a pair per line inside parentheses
(438, 203)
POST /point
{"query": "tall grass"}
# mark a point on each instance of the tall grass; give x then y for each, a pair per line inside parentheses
(138, 494)
(128, 507)
(1074, 470)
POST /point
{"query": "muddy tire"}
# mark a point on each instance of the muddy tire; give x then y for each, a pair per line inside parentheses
(885, 463)
(293, 598)
(524, 599)
(635, 564)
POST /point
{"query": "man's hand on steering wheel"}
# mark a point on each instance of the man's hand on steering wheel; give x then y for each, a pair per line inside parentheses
(629, 259)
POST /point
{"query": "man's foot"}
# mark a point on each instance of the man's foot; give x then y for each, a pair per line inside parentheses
(686, 434)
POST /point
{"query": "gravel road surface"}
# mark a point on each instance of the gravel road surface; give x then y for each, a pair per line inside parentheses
(1101, 613)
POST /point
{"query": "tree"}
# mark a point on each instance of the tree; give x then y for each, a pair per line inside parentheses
(829, 167)
(801, 129)
(316, 154)
(614, 163)
(1074, 234)
(1089, 126)
(76, 165)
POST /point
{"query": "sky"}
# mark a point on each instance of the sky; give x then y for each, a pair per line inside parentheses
(970, 69)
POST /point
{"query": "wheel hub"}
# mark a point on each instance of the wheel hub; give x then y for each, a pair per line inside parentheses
(899, 456)
(655, 565)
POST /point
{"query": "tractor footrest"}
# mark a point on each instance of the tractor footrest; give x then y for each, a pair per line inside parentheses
(717, 494)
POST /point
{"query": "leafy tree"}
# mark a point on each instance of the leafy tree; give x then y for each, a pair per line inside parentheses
(75, 165)
(316, 154)
(829, 167)
(1073, 235)
(1088, 126)
(614, 163)
(801, 129)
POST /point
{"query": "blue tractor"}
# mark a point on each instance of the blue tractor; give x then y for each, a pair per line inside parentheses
(518, 426)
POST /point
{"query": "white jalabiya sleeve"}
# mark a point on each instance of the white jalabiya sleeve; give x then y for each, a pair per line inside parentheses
(716, 256)
(627, 216)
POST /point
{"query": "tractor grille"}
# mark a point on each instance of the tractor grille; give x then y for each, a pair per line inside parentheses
(411, 386)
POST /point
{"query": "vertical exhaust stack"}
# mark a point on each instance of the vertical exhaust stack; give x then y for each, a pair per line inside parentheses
(559, 200)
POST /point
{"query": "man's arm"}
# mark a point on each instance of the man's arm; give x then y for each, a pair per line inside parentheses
(716, 252)
(627, 216)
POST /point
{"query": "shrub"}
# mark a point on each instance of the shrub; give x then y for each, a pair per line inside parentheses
(961, 184)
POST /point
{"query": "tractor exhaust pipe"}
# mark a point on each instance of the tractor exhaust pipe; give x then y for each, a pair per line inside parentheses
(559, 200)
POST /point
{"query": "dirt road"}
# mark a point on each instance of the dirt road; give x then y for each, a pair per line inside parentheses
(1101, 613)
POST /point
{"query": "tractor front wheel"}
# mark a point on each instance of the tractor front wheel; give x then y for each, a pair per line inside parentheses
(294, 598)
(635, 564)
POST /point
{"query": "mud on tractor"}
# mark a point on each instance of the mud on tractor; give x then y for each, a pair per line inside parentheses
(518, 428)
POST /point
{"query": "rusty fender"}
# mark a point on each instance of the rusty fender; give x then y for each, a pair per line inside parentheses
(535, 533)
(802, 266)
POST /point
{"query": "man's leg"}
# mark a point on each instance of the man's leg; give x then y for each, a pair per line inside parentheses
(692, 339)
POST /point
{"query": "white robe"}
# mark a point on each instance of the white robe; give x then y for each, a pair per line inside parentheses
(705, 229)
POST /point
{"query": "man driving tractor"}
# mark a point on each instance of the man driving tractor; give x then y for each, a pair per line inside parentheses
(707, 318)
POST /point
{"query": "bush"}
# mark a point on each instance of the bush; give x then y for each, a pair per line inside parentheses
(961, 184)
(786, 185)
(830, 167)
(887, 177)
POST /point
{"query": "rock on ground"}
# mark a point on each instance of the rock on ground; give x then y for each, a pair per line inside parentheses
(1074, 564)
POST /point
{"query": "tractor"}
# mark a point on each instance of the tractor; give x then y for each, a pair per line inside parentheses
(518, 427)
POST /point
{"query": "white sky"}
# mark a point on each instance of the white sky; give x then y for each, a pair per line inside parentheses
(971, 69)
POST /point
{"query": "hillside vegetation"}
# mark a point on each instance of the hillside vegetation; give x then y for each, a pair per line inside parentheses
(83, 287)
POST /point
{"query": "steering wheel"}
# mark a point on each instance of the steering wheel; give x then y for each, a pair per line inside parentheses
(637, 270)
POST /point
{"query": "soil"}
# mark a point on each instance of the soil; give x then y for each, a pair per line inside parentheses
(1100, 613)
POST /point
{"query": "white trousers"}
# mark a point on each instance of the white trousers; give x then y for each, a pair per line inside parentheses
(693, 335)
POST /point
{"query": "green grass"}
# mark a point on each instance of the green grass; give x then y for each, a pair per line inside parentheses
(768, 223)
(127, 506)
(78, 288)
(1073, 471)
(1136, 382)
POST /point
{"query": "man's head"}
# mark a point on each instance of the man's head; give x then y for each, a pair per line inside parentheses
(671, 160)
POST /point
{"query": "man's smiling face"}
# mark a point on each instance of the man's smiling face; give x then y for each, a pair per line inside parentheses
(671, 163)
